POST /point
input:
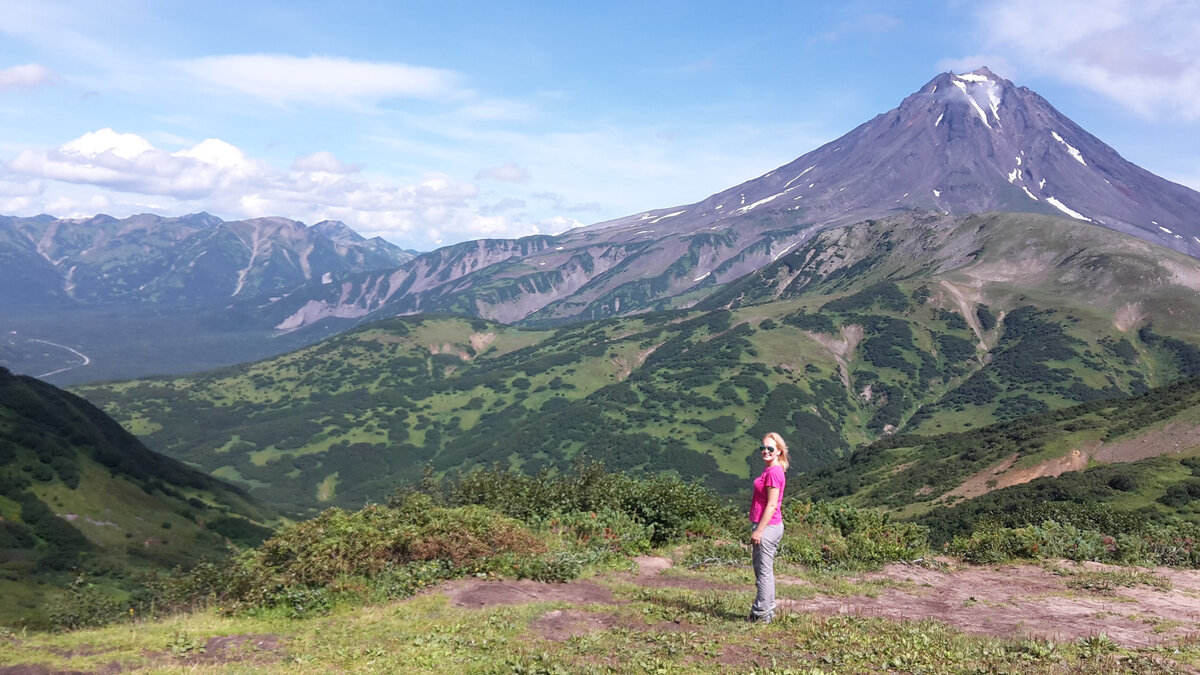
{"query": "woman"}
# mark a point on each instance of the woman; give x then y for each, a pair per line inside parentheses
(765, 514)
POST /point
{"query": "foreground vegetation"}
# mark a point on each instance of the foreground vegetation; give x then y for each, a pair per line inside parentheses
(327, 586)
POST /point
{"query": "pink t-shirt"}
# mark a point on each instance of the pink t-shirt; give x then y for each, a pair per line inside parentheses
(772, 476)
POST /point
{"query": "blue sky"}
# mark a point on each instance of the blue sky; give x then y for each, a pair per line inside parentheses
(434, 122)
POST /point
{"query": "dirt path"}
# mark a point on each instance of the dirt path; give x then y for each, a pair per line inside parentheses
(1003, 601)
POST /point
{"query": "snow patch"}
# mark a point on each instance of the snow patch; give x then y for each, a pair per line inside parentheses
(939, 119)
(743, 199)
(936, 193)
(719, 206)
(1029, 193)
(1018, 160)
(1070, 148)
(1165, 229)
(327, 278)
(643, 232)
(1012, 175)
(974, 104)
(761, 202)
(785, 185)
(559, 248)
(973, 77)
(669, 215)
(1042, 184)
(1066, 209)
(701, 277)
(783, 252)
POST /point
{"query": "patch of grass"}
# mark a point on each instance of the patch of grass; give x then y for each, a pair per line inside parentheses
(1107, 581)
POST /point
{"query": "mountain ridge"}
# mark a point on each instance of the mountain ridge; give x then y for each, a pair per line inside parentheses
(961, 144)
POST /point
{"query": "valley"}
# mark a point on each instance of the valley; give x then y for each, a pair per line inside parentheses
(914, 325)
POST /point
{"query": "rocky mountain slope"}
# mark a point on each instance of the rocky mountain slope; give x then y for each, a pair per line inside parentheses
(967, 143)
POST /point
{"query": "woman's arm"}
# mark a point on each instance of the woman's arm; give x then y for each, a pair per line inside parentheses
(768, 512)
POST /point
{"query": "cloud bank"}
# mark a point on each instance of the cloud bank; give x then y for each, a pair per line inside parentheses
(217, 176)
(1143, 54)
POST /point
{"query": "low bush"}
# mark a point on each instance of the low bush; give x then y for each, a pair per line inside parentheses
(1154, 544)
(668, 508)
(829, 534)
(341, 550)
(84, 606)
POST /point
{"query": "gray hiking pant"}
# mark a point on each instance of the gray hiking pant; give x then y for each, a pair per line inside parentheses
(764, 572)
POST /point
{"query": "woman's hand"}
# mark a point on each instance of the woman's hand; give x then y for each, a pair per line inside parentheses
(756, 537)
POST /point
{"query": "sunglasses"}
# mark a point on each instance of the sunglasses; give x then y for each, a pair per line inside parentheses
(768, 448)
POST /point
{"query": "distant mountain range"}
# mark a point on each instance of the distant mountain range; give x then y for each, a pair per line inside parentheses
(200, 292)
(966, 143)
(197, 259)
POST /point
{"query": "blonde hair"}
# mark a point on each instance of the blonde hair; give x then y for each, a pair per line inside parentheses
(783, 451)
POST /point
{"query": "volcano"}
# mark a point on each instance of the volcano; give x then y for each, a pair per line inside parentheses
(963, 143)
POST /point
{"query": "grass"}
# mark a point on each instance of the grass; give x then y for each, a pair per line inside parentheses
(651, 630)
(1106, 581)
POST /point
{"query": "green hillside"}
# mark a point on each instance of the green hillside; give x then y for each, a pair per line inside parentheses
(1139, 453)
(83, 502)
(920, 324)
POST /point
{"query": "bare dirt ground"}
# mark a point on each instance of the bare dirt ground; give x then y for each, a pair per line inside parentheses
(1003, 600)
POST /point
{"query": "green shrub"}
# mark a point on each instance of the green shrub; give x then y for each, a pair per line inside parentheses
(607, 530)
(1172, 545)
(669, 508)
(84, 606)
(843, 536)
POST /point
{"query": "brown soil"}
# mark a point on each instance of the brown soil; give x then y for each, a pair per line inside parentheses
(1006, 601)
(476, 593)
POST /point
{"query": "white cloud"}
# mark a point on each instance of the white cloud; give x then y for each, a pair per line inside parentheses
(1143, 54)
(281, 78)
(219, 177)
(997, 64)
(95, 143)
(508, 172)
(559, 224)
(324, 161)
(28, 76)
